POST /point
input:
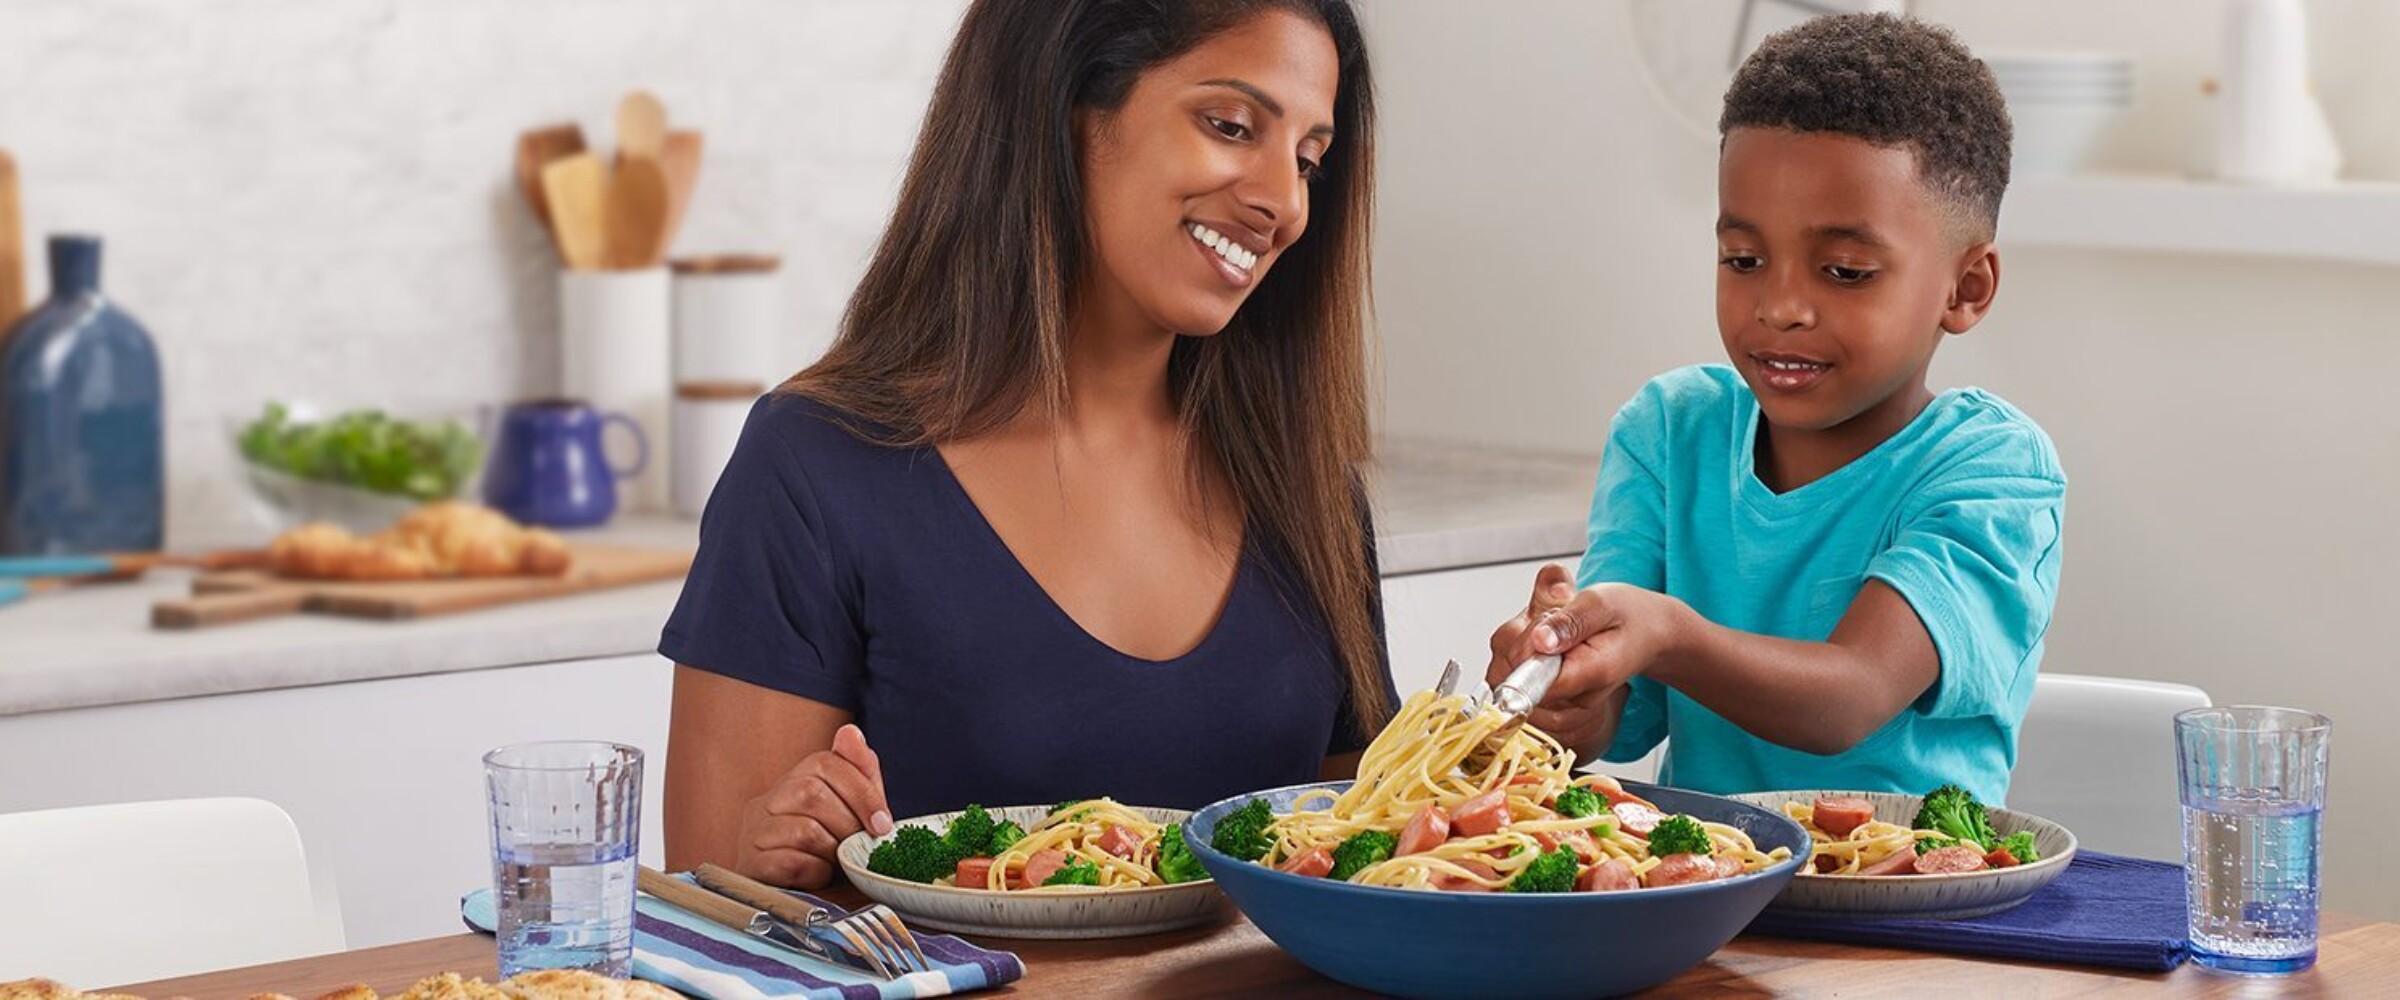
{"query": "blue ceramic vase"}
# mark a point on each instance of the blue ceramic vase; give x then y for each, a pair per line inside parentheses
(81, 462)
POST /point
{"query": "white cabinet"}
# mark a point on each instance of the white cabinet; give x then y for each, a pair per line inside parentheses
(384, 778)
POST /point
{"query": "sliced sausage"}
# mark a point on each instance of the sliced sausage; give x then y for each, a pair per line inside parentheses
(1121, 842)
(973, 873)
(2001, 858)
(1637, 817)
(1685, 869)
(1951, 860)
(1614, 795)
(1838, 815)
(1453, 883)
(1042, 865)
(1825, 863)
(1580, 840)
(1316, 862)
(1901, 862)
(1485, 813)
(1729, 866)
(1425, 831)
(1611, 875)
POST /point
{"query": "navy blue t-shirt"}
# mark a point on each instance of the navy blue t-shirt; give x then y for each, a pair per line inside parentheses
(864, 577)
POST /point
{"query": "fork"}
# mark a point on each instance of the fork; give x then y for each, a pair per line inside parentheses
(874, 932)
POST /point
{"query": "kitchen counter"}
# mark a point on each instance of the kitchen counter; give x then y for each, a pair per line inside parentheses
(1439, 507)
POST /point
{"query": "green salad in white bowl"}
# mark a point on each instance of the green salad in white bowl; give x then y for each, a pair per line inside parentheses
(359, 468)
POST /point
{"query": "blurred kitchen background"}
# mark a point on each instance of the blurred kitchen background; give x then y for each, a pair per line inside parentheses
(315, 200)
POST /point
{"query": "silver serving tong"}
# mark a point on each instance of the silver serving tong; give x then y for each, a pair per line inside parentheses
(1516, 696)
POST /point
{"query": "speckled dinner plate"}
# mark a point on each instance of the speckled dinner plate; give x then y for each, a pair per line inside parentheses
(1930, 897)
(1072, 913)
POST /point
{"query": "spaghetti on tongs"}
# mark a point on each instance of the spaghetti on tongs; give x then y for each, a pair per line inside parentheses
(1445, 800)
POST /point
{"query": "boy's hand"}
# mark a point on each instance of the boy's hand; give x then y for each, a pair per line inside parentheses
(1607, 634)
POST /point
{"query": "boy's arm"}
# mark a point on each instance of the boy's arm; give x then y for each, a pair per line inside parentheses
(1817, 697)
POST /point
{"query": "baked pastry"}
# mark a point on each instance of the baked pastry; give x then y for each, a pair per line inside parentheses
(50, 989)
(443, 539)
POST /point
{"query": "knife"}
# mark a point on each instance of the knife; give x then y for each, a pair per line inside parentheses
(731, 913)
(123, 565)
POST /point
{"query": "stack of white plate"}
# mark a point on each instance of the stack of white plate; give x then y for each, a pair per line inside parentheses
(2062, 104)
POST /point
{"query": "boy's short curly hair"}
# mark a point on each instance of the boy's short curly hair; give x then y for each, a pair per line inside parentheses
(1892, 81)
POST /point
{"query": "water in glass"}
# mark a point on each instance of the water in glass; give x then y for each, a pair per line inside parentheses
(565, 906)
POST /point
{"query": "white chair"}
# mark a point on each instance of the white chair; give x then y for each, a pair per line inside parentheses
(2097, 755)
(99, 896)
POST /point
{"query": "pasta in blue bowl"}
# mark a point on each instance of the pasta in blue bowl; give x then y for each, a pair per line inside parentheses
(1454, 869)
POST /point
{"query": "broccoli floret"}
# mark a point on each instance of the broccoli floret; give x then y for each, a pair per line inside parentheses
(1954, 813)
(1005, 836)
(1552, 872)
(914, 853)
(1176, 862)
(1243, 832)
(1080, 871)
(971, 833)
(1679, 834)
(1364, 848)
(2020, 847)
(1578, 802)
(1070, 804)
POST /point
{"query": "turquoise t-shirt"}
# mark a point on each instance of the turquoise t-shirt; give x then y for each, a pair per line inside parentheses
(1959, 512)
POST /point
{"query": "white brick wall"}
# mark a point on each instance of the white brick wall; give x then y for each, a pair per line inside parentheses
(314, 199)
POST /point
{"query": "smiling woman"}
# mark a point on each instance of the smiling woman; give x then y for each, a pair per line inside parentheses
(1072, 507)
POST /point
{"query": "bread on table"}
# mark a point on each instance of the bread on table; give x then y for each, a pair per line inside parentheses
(438, 540)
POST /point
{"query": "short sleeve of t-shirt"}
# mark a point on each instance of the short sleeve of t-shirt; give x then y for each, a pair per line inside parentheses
(1977, 557)
(765, 600)
(1627, 544)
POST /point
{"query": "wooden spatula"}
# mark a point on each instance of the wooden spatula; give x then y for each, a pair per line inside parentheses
(576, 189)
(680, 158)
(641, 126)
(12, 246)
(637, 213)
(538, 148)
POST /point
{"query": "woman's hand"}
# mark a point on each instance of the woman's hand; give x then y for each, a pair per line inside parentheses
(1607, 634)
(789, 835)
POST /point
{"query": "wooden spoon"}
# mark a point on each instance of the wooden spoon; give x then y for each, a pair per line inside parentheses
(576, 189)
(641, 126)
(538, 148)
(637, 213)
(12, 247)
(681, 161)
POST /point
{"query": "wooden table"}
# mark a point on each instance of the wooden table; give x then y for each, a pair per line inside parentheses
(1234, 959)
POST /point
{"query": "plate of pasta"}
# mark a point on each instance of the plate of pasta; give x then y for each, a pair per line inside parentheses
(1468, 859)
(1938, 856)
(1087, 868)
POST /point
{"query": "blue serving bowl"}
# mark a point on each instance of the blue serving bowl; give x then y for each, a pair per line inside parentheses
(1423, 943)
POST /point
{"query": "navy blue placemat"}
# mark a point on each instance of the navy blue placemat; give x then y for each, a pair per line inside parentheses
(2107, 910)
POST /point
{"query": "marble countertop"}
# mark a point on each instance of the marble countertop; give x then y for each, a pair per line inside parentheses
(1439, 507)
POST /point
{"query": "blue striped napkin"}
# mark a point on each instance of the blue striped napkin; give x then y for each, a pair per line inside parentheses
(2104, 909)
(694, 956)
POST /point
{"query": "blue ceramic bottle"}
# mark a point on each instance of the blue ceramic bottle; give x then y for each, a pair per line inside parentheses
(81, 467)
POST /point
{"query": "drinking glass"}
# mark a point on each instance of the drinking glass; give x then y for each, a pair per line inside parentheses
(2253, 793)
(566, 826)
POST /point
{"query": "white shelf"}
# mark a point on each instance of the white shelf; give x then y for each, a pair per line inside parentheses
(2350, 221)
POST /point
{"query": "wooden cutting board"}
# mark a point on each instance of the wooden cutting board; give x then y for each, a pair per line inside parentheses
(12, 246)
(243, 595)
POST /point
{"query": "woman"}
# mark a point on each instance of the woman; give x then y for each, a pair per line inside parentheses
(1071, 507)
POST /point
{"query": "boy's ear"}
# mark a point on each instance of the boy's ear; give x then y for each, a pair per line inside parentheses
(1971, 295)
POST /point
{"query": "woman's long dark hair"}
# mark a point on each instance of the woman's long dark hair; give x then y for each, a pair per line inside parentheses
(961, 320)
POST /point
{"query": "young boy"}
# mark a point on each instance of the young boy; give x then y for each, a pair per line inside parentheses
(1806, 567)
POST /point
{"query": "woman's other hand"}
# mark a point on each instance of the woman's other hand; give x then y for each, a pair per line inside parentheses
(789, 835)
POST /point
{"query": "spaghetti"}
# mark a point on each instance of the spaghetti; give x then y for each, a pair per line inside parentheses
(1496, 817)
(1865, 846)
(1121, 843)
